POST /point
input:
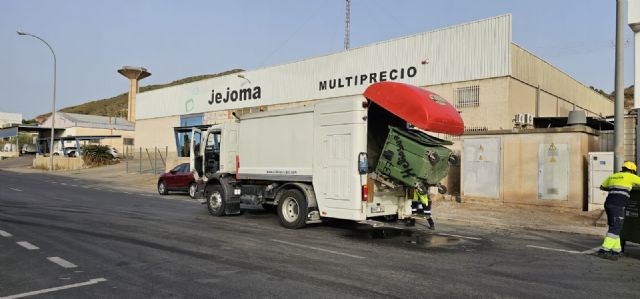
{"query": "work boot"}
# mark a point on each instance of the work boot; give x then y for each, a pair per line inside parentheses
(410, 222)
(431, 224)
(603, 253)
(614, 256)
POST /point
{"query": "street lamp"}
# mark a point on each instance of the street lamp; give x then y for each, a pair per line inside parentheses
(53, 110)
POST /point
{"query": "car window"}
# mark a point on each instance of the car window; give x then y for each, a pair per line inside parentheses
(177, 168)
(185, 167)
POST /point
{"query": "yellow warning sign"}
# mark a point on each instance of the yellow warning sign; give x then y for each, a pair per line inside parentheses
(552, 160)
(553, 147)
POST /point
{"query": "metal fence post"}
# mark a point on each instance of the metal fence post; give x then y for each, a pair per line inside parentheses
(140, 160)
(126, 159)
(155, 159)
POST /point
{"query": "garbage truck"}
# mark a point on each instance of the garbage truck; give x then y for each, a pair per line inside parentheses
(357, 157)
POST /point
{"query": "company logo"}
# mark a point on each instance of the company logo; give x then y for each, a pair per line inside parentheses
(243, 94)
(370, 78)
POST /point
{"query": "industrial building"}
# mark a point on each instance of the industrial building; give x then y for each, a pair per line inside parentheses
(476, 66)
(494, 83)
(9, 119)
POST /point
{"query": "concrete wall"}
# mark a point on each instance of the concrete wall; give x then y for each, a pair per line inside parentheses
(157, 132)
(519, 158)
(60, 163)
(538, 73)
(493, 110)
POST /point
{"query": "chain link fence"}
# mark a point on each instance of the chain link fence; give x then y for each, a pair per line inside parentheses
(145, 160)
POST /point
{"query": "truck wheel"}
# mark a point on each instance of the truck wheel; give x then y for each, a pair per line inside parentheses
(162, 188)
(215, 200)
(292, 209)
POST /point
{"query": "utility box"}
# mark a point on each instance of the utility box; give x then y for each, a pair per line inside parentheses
(600, 166)
(414, 158)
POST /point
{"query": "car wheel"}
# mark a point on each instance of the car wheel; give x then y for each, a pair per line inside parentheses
(193, 188)
(162, 188)
(292, 209)
(215, 200)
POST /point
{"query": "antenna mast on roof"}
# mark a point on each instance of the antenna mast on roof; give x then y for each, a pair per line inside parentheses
(347, 25)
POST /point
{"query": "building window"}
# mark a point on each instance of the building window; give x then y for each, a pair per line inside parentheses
(128, 141)
(467, 96)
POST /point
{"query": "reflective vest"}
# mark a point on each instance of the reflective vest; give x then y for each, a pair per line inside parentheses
(619, 186)
(423, 198)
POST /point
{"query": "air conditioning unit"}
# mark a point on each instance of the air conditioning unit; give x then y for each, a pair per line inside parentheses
(518, 119)
(528, 119)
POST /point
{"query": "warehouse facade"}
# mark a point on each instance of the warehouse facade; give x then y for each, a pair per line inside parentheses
(475, 66)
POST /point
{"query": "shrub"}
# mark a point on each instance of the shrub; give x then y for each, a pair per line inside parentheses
(97, 155)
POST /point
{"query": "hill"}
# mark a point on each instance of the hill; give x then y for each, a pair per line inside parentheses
(628, 96)
(117, 105)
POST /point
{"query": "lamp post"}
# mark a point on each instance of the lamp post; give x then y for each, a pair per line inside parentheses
(53, 109)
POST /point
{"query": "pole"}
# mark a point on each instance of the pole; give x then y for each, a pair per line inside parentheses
(53, 109)
(619, 89)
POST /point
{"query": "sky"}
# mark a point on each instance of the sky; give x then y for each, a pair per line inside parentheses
(177, 39)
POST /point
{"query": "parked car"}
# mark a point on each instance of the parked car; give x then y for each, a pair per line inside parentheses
(177, 179)
(114, 152)
(28, 149)
(69, 151)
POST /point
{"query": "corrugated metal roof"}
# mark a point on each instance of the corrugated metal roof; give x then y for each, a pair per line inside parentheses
(97, 121)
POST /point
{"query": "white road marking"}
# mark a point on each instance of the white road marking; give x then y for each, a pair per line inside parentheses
(319, 249)
(74, 185)
(458, 236)
(5, 234)
(555, 249)
(27, 245)
(15, 189)
(62, 262)
(63, 184)
(69, 286)
(86, 187)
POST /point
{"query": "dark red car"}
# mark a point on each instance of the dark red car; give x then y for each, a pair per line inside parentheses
(177, 179)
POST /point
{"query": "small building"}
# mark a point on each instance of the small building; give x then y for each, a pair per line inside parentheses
(9, 119)
(94, 125)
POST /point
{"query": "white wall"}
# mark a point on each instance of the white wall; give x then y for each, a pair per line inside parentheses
(471, 51)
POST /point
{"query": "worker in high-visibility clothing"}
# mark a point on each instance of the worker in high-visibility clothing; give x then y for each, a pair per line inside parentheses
(619, 187)
(421, 202)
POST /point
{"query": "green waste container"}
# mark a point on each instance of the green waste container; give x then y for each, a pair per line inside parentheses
(414, 158)
(631, 224)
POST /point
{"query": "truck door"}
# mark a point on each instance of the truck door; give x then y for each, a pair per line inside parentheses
(211, 152)
(196, 159)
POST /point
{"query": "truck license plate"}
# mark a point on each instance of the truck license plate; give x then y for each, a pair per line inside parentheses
(377, 209)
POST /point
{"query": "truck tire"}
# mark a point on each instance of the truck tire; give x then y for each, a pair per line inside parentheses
(215, 200)
(292, 209)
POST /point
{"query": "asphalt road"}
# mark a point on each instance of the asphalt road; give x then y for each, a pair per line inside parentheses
(85, 240)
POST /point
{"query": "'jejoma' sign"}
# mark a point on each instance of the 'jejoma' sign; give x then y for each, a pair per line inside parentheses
(243, 94)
